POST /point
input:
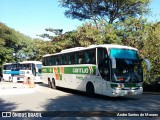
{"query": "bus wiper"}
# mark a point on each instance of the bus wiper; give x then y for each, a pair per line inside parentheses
(135, 76)
(115, 77)
(128, 79)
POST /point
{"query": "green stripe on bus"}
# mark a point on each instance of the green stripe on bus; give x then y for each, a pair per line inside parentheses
(80, 70)
(71, 70)
(47, 70)
(60, 75)
(114, 85)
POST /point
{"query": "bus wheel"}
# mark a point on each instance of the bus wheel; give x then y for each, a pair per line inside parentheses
(53, 84)
(90, 89)
(49, 83)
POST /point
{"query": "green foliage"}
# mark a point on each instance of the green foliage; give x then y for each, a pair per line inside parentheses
(132, 31)
(7, 43)
(43, 47)
(13, 42)
(108, 10)
(151, 51)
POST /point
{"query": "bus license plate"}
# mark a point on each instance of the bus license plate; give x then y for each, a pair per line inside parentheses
(130, 93)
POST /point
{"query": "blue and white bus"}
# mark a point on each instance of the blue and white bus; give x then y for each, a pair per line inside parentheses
(18, 71)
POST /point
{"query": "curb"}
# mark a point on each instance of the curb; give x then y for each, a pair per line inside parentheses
(153, 93)
(10, 88)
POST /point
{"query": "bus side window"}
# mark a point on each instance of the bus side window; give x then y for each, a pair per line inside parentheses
(81, 57)
(48, 61)
(72, 58)
(69, 59)
(90, 56)
(57, 61)
(53, 62)
(63, 59)
(60, 60)
(66, 59)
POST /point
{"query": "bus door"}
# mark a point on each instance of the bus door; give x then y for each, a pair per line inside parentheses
(34, 69)
(38, 72)
(104, 69)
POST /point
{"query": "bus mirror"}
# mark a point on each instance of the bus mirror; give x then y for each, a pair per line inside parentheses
(148, 64)
(113, 61)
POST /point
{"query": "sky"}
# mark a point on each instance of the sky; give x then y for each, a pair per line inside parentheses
(31, 17)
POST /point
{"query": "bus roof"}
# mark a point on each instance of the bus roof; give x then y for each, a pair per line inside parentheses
(7, 63)
(36, 62)
(108, 46)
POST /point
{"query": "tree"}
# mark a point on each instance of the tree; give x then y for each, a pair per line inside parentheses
(108, 10)
(132, 32)
(13, 42)
(43, 47)
(151, 51)
(7, 43)
(55, 31)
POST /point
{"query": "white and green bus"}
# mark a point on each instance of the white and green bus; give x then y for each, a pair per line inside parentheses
(111, 70)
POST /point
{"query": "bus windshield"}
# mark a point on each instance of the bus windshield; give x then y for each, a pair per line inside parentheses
(123, 53)
(39, 66)
(128, 66)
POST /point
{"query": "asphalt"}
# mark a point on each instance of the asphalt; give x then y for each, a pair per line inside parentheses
(11, 88)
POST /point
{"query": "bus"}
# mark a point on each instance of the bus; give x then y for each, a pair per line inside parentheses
(18, 71)
(111, 70)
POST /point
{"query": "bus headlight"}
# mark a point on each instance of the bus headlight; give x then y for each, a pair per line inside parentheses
(118, 88)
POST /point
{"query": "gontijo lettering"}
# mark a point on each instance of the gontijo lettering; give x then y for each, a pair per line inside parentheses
(81, 70)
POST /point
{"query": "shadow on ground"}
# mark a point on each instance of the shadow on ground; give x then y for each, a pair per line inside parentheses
(80, 105)
(6, 106)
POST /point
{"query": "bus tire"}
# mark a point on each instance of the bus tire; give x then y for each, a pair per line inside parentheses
(49, 83)
(53, 84)
(90, 89)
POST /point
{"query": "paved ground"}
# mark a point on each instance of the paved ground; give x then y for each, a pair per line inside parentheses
(19, 97)
(10, 88)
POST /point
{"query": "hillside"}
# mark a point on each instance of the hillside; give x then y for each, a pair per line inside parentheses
(14, 45)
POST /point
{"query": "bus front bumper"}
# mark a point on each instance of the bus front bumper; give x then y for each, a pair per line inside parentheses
(127, 92)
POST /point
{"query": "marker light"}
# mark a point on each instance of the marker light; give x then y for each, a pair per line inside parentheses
(120, 79)
(27, 72)
(120, 85)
